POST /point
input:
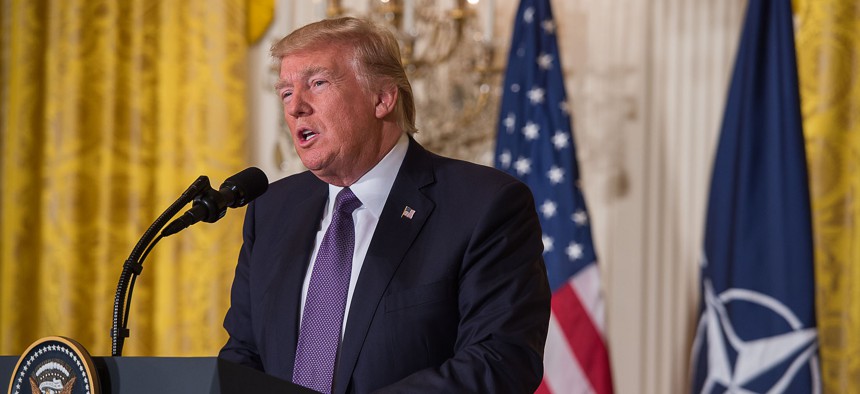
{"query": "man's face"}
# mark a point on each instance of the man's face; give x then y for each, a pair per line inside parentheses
(332, 118)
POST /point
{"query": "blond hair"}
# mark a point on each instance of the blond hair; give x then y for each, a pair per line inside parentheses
(376, 57)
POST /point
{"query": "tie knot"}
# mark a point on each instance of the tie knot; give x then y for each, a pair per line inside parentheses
(346, 201)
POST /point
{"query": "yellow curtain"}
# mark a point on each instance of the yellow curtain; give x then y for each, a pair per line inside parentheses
(828, 52)
(110, 109)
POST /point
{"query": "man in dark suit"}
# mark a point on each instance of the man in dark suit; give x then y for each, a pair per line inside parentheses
(441, 285)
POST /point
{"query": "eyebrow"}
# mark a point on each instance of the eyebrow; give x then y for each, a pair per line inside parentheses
(281, 84)
(308, 71)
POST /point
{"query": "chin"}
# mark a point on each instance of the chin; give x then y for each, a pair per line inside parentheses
(317, 168)
(308, 160)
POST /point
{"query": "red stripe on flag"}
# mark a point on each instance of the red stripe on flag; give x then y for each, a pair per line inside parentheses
(543, 388)
(584, 339)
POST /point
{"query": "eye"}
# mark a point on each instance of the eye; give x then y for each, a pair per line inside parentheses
(319, 82)
(286, 94)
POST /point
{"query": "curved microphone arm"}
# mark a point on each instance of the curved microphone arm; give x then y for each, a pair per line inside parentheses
(134, 264)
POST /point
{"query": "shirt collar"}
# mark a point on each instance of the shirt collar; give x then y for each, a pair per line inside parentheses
(372, 188)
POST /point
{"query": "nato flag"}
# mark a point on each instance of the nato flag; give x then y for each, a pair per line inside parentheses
(756, 332)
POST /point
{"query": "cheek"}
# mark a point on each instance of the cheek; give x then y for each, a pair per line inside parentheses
(291, 125)
(348, 119)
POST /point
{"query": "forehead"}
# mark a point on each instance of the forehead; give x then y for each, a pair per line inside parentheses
(330, 59)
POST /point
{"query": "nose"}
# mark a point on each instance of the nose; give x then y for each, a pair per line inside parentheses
(297, 106)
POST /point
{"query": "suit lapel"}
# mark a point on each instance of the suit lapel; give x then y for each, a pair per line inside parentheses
(391, 240)
(283, 291)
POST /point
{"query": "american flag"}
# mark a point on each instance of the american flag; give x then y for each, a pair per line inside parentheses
(535, 144)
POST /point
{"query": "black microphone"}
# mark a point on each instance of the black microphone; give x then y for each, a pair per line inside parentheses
(211, 205)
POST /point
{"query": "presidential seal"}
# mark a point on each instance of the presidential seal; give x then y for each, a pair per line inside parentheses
(54, 365)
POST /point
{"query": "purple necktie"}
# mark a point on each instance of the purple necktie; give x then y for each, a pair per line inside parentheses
(322, 320)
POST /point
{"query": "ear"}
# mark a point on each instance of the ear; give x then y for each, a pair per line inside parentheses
(386, 99)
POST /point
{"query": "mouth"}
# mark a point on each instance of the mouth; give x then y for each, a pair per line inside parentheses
(306, 134)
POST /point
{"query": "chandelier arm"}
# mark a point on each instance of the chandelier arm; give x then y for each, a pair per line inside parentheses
(449, 51)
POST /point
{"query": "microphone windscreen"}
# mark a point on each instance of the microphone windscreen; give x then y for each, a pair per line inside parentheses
(248, 184)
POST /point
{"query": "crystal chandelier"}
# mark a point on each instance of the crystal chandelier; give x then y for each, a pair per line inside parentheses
(449, 55)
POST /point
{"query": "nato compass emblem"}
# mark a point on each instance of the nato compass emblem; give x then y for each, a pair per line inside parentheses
(54, 365)
(739, 364)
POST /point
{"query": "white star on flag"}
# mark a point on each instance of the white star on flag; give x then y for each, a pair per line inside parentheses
(548, 209)
(536, 95)
(547, 243)
(560, 140)
(523, 166)
(548, 26)
(505, 159)
(555, 174)
(564, 106)
(510, 122)
(580, 218)
(529, 15)
(531, 131)
(545, 61)
(574, 251)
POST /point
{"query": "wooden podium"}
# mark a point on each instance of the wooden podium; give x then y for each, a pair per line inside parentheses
(172, 375)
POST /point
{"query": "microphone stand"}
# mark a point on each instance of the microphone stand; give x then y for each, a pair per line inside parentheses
(133, 266)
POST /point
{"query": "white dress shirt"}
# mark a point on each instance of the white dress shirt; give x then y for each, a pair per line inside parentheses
(372, 190)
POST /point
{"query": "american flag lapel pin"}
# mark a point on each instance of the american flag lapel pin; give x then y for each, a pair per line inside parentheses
(407, 212)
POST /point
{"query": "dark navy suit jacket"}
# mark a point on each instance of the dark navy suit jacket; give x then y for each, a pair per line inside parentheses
(454, 299)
